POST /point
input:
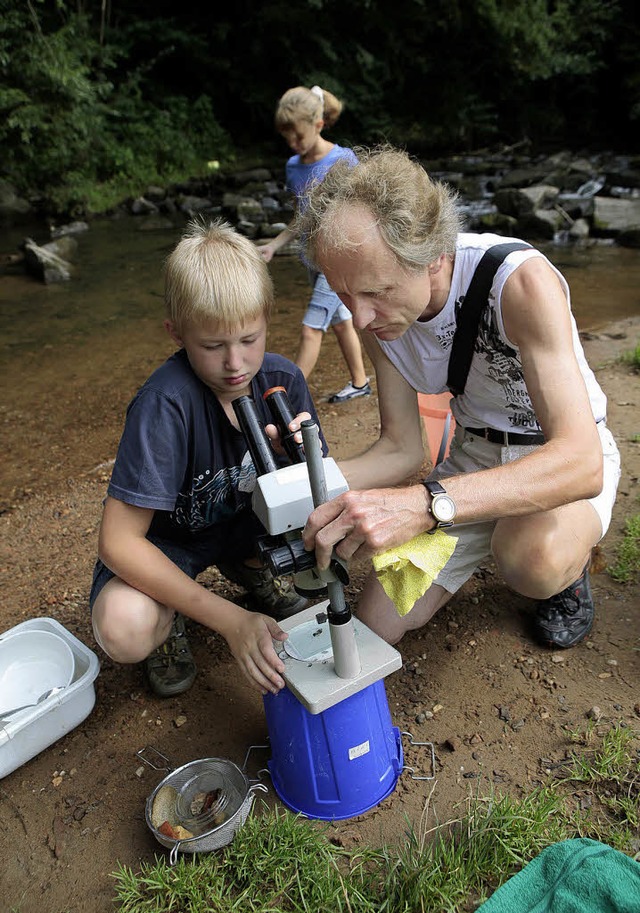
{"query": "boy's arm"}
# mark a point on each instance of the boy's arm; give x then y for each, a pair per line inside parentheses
(125, 550)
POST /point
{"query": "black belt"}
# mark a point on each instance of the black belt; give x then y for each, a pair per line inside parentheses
(507, 437)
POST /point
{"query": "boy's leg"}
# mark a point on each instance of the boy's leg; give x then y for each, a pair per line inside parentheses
(131, 627)
(273, 596)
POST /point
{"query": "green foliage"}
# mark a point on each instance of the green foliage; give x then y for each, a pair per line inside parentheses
(98, 100)
(632, 358)
(627, 564)
(69, 130)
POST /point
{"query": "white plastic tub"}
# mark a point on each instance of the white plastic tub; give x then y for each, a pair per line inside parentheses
(31, 731)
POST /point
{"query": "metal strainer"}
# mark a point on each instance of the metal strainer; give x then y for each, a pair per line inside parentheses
(234, 801)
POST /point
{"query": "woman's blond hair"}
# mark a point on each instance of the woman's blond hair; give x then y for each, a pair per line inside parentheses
(417, 217)
(214, 273)
(308, 105)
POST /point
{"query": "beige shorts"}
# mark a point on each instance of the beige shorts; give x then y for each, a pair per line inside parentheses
(470, 453)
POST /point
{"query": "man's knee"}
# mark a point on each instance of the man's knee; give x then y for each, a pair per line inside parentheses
(537, 567)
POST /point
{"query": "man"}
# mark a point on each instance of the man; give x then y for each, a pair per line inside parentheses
(533, 470)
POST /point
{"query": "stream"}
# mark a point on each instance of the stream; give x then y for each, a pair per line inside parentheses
(73, 354)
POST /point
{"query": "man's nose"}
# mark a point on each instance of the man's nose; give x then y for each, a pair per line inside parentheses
(361, 312)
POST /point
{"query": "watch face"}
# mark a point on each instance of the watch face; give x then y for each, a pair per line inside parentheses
(443, 508)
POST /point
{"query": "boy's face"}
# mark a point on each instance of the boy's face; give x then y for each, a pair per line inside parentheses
(225, 360)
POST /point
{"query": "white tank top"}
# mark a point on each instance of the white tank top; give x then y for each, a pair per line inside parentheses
(495, 395)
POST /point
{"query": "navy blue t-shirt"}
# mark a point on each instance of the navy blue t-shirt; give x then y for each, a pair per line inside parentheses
(180, 456)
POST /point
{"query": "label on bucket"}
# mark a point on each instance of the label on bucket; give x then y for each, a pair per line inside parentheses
(358, 750)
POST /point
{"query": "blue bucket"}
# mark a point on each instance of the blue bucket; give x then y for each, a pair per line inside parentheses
(338, 763)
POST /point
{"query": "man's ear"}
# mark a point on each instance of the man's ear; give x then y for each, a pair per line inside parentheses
(172, 331)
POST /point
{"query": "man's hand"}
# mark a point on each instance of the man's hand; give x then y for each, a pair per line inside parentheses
(250, 641)
(364, 523)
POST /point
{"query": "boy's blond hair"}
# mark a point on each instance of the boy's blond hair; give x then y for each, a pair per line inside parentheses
(214, 273)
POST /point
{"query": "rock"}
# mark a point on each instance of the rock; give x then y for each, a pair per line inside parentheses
(12, 206)
(73, 228)
(513, 202)
(594, 714)
(44, 264)
(541, 224)
(612, 215)
(541, 195)
(142, 207)
(630, 237)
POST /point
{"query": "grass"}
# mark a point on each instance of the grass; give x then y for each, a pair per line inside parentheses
(626, 567)
(282, 863)
(632, 358)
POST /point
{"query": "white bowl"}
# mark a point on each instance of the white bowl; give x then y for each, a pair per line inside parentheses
(31, 663)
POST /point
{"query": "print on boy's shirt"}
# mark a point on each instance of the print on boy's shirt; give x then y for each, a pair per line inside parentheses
(216, 498)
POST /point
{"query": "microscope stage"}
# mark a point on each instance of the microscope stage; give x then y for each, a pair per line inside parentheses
(308, 658)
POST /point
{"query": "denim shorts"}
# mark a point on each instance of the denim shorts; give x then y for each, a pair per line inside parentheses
(470, 453)
(325, 308)
(231, 542)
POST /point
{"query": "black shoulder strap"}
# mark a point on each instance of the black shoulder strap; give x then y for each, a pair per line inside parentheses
(468, 320)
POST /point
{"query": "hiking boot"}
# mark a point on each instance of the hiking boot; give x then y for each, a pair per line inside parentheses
(566, 618)
(351, 392)
(273, 596)
(170, 668)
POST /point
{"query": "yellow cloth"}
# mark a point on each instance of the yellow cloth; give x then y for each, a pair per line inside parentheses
(407, 572)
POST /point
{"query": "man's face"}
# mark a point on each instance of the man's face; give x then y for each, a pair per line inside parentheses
(225, 360)
(383, 297)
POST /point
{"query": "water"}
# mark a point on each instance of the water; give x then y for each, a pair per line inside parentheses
(73, 354)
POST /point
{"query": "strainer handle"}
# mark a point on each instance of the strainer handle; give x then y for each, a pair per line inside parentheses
(149, 748)
(253, 748)
(428, 745)
(173, 855)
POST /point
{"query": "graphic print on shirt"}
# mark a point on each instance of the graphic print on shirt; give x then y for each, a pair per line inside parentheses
(500, 364)
(216, 498)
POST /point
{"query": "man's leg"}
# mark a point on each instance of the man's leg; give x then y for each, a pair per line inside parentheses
(378, 612)
(546, 557)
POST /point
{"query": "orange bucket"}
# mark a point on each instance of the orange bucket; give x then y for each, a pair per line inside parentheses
(439, 423)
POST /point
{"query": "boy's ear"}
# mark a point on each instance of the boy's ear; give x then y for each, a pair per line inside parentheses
(172, 331)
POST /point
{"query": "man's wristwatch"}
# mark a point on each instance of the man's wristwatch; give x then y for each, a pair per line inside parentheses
(442, 507)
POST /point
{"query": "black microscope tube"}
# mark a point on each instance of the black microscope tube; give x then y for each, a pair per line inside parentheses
(256, 437)
(278, 401)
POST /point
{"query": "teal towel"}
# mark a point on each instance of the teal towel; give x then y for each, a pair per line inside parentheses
(573, 876)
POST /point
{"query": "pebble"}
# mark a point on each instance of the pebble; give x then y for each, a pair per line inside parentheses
(594, 714)
(140, 772)
(180, 721)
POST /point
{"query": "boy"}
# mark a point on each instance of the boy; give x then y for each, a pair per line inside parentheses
(179, 499)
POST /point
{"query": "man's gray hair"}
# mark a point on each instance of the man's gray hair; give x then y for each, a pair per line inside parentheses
(417, 217)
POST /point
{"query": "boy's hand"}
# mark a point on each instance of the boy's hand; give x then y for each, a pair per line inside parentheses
(251, 642)
(274, 435)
